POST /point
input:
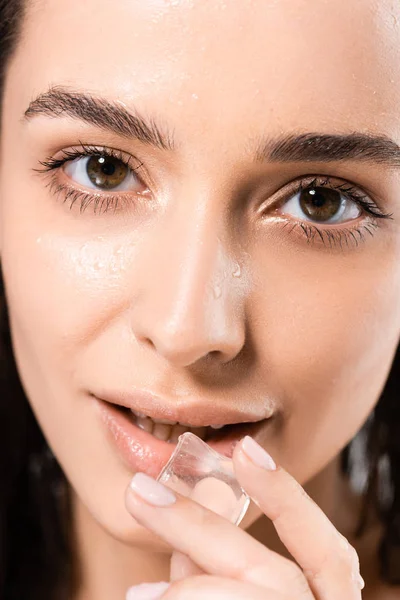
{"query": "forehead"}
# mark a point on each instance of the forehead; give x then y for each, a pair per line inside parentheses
(270, 64)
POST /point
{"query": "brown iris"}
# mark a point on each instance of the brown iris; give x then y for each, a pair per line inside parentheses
(106, 171)
(320, 204)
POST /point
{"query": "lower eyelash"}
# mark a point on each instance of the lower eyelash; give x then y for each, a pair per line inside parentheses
(104, 203)
(338, 236)
(85, 199)
(335, 237)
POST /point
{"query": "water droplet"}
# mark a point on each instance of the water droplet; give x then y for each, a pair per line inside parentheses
(217, 291)
(195, 97)
(237, 272)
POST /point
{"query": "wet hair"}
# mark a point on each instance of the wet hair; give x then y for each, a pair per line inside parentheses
(36, 547)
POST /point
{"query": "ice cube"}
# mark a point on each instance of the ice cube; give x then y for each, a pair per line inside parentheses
(199, 472)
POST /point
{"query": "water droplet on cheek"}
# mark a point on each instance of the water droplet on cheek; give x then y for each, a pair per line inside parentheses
(217, 291)
(97, 265)
(237, 272)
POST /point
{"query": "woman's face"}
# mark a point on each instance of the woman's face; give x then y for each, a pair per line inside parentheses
(202, 273)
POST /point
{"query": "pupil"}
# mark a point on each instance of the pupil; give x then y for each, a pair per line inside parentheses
(106, 172)
(320, 204)
(108, 169)
(319, 200)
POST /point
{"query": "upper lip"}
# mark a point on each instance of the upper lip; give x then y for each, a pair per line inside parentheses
(183, 410)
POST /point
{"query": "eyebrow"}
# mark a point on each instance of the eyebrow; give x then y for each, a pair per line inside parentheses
(326, 148)
(102, 113)
(304, 147)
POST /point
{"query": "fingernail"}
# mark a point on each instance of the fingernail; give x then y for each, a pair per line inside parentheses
(151, 490)
(257, 454)
(147, 591)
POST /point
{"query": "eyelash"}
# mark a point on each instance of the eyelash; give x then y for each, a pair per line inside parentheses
(335, 235)
(332, 236)
(75, 195)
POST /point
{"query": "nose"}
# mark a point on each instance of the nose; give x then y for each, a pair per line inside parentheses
(189, 300)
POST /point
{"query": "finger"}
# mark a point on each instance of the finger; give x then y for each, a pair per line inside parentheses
(205, 586)
(211, 541)
(328, 561)
(181, 565)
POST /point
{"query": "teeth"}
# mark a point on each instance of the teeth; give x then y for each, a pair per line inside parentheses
(162, 431)
(145, 423)
(176, 432)
(138, 414)
(162, 421)
(165, 430)
(167, 422)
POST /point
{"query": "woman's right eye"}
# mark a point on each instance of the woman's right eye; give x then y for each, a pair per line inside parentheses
(103, 173)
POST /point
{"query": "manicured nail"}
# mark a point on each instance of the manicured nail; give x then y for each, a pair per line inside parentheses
(147, 591)
(257, 454)
(151, 490)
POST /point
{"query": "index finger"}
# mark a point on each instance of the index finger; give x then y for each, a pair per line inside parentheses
(211, 541)
(328, 561)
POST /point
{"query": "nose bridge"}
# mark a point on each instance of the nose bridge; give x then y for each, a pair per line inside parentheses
(188, 292)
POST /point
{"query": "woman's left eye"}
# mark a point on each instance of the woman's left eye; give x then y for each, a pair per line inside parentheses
(323, 205)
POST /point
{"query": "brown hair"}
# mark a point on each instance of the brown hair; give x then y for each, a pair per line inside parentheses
(36, 553)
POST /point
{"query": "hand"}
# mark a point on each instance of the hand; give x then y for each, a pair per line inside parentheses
(235, 566)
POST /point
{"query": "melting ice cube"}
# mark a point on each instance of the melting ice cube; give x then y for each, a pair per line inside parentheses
(199, 472)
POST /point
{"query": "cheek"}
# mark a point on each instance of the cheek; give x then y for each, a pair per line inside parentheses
(325, 329)
(77, 291)
(77, 287)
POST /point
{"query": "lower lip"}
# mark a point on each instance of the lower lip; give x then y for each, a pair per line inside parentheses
(140, 450)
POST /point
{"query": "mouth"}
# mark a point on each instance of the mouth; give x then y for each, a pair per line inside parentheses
(169, 431)
(146, 443)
